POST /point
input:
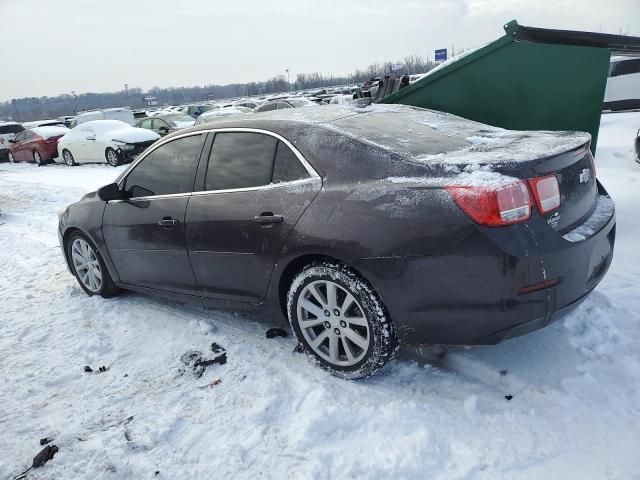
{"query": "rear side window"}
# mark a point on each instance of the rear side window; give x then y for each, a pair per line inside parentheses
(11, 129)
(287, 166)
(169, 169)
(240, 160)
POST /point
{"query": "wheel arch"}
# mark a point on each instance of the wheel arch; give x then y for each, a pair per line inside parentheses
(295, 266)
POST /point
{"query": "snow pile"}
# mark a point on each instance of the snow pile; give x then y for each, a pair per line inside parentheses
(48, 132)
(574, 386)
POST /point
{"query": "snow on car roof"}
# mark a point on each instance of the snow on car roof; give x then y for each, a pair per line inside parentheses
(49, 131)
(102, 125)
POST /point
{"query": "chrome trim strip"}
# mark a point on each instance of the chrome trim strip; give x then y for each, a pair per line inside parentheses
(161, 142)
(269, 186)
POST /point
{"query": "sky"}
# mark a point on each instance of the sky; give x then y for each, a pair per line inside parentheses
(52, 47)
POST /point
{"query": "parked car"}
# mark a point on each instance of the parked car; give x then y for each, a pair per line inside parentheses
(285, 103)
(122, 114)
(436, 240)
(44, 123)
(39, 144)
(247, 104)
(623, 84)
(8, 131)
(110, 141)
(165, 124)
(217, 114)
(194, 110)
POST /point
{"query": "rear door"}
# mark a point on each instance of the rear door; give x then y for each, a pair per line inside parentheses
(145, 235)
(255, 189)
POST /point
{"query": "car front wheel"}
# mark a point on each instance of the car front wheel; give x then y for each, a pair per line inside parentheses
(68, 158)
(12, 159)
(340, 320)
(88, 267)
(113, 158)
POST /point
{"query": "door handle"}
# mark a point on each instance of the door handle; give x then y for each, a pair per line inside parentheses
(167, 222)
(268, 217)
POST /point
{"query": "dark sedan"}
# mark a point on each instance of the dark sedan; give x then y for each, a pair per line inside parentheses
(166, 124)
(365, 227)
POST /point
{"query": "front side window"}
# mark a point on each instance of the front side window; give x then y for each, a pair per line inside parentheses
(282, 105)
(19, 137)
(268, 107)
(145, 123)
(170, 168)
(240, 160)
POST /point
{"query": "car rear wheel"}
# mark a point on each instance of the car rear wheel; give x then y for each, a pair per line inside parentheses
(68, 158)
(340, 320)
(37, 158)
(113, 158)
(12, 159)
(88, 267)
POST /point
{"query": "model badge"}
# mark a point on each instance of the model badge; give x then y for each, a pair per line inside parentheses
(585, 175)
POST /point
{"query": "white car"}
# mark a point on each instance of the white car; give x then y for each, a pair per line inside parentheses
(123, 114)
(623, 84)
(110, 141)
(8, 131)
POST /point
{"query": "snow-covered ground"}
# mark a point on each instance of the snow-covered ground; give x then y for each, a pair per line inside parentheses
(575, 412)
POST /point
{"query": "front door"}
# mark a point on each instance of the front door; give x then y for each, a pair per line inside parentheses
(255, 190)
(145, 235)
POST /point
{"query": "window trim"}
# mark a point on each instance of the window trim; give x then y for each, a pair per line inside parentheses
(313, 175)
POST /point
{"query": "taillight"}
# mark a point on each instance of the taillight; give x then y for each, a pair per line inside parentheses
(494, 206)
(546, 192)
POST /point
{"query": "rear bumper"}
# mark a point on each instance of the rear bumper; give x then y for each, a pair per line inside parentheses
(471, 294)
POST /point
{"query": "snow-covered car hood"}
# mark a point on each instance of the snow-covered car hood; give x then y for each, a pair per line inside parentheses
(128, 135)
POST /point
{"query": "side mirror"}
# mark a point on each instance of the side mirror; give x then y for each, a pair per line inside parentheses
(112, 192)
(11, 140)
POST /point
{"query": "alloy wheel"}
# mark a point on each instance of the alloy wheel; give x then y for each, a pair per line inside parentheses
(86, 265)
(333, 323)
(68, 158)
(112, 158)
(37, 158)
(12, 159)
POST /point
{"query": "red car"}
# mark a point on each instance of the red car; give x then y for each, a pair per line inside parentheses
(40, 145)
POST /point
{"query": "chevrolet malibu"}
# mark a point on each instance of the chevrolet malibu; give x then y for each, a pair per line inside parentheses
(365, 227)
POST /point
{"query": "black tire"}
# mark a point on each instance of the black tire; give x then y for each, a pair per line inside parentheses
(67, 158)
(11, 158)
(113, 158)
(37, 158)
(383, 342)
(108, 288)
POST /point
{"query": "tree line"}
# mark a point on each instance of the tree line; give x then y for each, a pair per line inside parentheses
(37, 108)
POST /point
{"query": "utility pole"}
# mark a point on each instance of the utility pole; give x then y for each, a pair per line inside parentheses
(288, 84)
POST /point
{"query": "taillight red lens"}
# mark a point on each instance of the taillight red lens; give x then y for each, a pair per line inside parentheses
(494, 206)
(546, 191)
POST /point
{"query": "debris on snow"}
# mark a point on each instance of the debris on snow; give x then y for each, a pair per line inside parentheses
(508, 397)
(276, 332)
(45, 440)
(193, 359)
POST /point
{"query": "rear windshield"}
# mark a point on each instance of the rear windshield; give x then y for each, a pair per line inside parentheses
(14, 128)
(404, 133)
